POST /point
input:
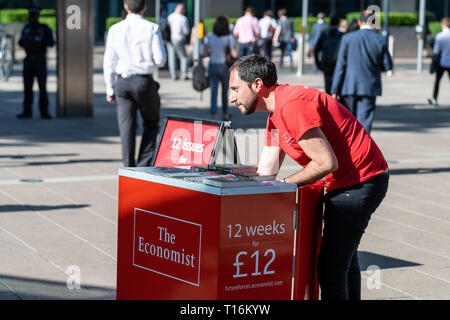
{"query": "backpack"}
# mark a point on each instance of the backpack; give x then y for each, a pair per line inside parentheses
(165, 31)
(200, 80)
(330, 49)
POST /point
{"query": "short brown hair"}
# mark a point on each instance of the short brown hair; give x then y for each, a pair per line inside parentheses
(446, 22)
(282, 12)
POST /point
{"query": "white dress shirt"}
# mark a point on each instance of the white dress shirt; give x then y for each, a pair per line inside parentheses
(264, 25)
(179, 26)
(134, 46)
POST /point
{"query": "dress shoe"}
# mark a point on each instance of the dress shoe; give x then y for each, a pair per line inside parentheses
(24, 116)
(46, 116)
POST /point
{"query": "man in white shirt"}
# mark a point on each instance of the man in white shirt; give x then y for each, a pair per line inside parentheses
(442, 48)
(179, 29)
(134, 50)
(267, 26)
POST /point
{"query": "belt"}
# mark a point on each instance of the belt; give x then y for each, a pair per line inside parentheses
(134, 76)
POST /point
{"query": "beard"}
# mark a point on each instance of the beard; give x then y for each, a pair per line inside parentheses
(248, 107)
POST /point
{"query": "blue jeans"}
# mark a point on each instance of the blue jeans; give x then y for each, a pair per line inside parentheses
(286, 45)
(346, 217)
(218, 73)
(245, 49)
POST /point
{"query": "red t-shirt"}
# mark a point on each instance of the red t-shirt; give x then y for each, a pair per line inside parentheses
(299, 109)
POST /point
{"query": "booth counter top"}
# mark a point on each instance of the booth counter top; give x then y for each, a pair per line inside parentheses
(263, 187)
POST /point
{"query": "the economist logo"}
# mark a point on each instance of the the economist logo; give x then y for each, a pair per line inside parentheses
(168, 246)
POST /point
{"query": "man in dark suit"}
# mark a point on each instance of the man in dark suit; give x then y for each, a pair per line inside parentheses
(35, 39)
(362, 56)
(326, 52)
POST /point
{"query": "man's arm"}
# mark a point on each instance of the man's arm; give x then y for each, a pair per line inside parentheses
(49, 41)
(323, 159)
(109, 67)
(236, 28)
(387, 59)
(270, 161)
(317, 50)
(158, 50)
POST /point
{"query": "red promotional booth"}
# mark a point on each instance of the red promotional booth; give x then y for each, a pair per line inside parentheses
(182, 240)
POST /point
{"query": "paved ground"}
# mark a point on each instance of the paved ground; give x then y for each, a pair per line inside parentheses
(58, 190)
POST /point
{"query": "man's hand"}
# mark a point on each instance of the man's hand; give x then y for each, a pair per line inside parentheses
(111, 99)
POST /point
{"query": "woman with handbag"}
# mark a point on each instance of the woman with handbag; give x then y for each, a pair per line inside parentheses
(222, 51)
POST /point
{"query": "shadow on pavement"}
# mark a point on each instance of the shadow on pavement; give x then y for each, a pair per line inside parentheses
(411, 118)
(18, 208)
(25, 156)
(19, 288)
(367, 259)
(418, 171)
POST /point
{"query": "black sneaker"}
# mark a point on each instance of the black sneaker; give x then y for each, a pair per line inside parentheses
(24, 116)
(46, 116)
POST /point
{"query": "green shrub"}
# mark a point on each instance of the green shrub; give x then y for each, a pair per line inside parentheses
(434, 27)
(110, 21)
(396, 18)
(21, 15)
(298, 22)
(13, 15)
(47, 13)
(209, 23)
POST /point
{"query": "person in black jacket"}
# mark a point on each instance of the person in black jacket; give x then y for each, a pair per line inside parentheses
(35, 39)
(326, 50)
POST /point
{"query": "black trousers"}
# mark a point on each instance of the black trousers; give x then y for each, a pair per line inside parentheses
(328, 76)
(138, 93)
(35, 67)
(267, 48)
(439, 73)
(346, 217)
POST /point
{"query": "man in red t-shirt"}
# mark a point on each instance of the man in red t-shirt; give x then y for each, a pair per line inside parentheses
(325, 139)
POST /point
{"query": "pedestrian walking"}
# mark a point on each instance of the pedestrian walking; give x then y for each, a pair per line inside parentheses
(317, 30)
(324, 138)
(134, 50)
(35, 39)
(284, 35)
(246, 30)
(218, 73)
(362, 56)
(441, 58)
(267, 26)
(179, 29)
(326, 51)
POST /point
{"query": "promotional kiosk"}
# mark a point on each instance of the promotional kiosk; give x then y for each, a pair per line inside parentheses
(182, 240)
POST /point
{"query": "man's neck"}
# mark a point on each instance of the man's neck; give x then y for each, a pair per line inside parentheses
(267, 103)
(365, 27)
